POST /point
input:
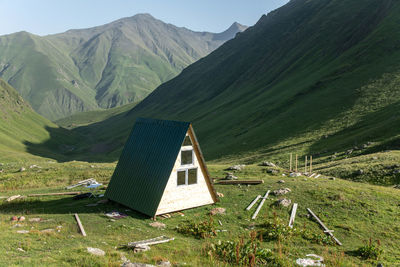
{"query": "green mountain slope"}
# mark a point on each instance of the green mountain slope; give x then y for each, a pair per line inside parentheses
(312, 77)
(21, 127)
(101, 67)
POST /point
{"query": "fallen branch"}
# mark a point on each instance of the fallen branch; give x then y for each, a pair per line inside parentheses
(326, 230)
(149, 242)
(226, 182)
(80, 224)
(54, 194)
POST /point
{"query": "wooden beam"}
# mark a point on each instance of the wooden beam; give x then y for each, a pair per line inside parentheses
(54, 194)
(260, 206)
(80, 224)
(290, 162)
(326, 230)
(149, 242)
(293, 215)
(241, 182)
(253, 202)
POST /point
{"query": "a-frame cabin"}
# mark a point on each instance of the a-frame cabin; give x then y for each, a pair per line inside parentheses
(161, 169)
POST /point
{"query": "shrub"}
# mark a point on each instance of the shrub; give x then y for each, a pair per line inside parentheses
(321, 239)
(370, 251)
(199, 230)
(276, 230)
(247, 253)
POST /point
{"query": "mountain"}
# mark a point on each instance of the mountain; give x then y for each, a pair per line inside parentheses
(21, 127)
(312, 77)
(101, 67)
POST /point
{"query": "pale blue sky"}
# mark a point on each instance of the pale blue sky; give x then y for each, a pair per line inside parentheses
(53, 16)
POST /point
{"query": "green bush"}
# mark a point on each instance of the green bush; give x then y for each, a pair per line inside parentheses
(320, 239)
(370, 251)
(276, 230)
(199, 230)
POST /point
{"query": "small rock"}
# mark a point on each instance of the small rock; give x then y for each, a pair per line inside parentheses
(348, 152)
(295, 174)
(332, 178)
(13, 198)
(236, 167)
(217, 211)
(272, 171)
(220, 194)
(283, 202)
(164, 263)
(35, 219)
(282, 191)
(396, 171)
(14, 218)
(374, 158)
(141, 248)
(268, 164)
(157, 225)
(96, 251)
(47, 231)
(283, 174)
(91, 166)
(33, 166)
(230, 176)
(21, 219)
(22, 232)
(281, 182)
(20, 249)
(22, 169)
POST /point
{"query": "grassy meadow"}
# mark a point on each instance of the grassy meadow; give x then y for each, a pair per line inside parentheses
(355, 211)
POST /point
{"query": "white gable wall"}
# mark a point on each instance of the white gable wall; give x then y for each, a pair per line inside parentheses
(182, 197)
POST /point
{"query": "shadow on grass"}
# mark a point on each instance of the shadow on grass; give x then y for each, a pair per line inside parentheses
(65, 205)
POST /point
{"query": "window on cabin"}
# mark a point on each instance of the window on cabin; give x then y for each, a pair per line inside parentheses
(186, 157)
(187, 177)
(192, 176)
(182, 177)
(187, 141)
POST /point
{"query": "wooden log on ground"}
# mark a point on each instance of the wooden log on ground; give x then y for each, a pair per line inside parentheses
(241, 182)
(260, 206)
(54, 194)
(326, 230)
(293, 215)
(80, 224)
(253, 202)
(149, 242)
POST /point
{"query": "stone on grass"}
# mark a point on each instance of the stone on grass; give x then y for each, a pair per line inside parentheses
(96, 251)
(17, 225)
(236, 167)
(220, 194)
(141, 248)
(281, 181)
(14, 218)
(268, 164)
(282, 191)
(21, 219)
(230, 176)
(283, 202)
(217, 211)
(22, 232)
(295, 174)
(158, 225)
(20, 249)
(13, 198)
(22, 169)
(35, 219)
(360, 171)
(163, 263)
(332, 178)
(47, 231)
(374, 158)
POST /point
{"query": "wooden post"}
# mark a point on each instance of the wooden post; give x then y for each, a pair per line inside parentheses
(253, 202)
(293, 215)
(305, 165)
(80, 224)
(296, 162)
(326, 230)
(260, 206)
(310, 164)
(290, 162)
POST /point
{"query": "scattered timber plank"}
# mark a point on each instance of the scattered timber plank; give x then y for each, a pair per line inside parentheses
(253, 202)
(312, 175)
(13, 198)
(80, 224)
(54, 194)
(226, 182)
(293, 215)
(149, 242)
(318, 176)
(326, 230)
(260, 206)
(83, 182)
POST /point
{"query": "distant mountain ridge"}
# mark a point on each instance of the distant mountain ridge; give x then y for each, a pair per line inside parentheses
(101, 67)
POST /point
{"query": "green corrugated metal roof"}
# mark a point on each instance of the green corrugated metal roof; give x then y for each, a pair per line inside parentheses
(145, 164)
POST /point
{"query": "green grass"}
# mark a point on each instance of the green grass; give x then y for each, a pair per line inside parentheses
(338, 203)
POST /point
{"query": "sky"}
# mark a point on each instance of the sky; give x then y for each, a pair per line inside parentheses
(44, 17)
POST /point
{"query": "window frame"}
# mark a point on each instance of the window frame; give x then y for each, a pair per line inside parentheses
(185, 150)
(186, 170)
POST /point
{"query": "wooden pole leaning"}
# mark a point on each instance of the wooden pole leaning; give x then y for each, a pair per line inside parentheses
(260, 206)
